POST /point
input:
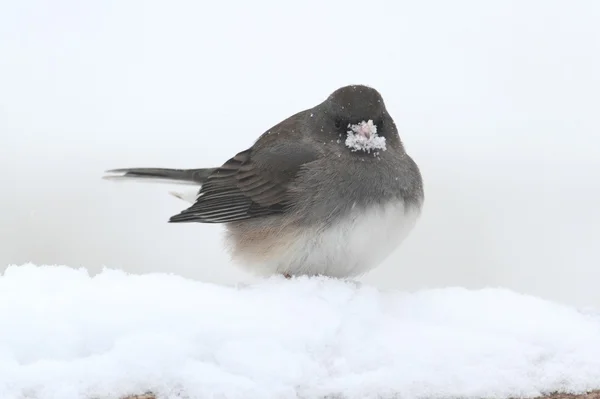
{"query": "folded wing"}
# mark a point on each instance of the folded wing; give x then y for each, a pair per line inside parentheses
(254, 183)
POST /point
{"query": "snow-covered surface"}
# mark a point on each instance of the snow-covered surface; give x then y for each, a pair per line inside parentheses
(67, 335)
(363, 137)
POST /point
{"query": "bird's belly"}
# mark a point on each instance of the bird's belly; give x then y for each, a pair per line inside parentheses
(351, 246)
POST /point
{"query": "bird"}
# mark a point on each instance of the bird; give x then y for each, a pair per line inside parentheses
(330, 191)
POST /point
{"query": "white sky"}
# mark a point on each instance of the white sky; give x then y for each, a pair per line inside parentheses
(497, 101)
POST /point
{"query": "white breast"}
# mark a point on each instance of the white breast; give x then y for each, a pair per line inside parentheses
(350, 247)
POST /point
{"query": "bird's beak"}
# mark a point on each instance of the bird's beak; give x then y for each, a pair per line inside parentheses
(365, 131)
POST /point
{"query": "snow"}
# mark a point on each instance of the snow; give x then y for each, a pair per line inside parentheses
(363, 137)
(65, 334)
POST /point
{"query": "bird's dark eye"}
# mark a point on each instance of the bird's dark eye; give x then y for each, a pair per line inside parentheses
(338, 123)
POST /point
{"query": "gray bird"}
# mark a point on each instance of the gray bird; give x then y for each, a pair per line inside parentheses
(328, 191)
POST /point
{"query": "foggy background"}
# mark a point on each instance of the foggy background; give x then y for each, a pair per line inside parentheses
(498, 102)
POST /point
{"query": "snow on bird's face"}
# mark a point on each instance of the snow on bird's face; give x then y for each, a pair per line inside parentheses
(363, 137)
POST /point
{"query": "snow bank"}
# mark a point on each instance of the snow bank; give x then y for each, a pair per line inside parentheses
(64, 334)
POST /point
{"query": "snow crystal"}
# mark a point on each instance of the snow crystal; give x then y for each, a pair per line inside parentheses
(67, 335)
(363, 136)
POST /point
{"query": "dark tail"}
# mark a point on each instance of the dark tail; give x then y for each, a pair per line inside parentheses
(161, 175)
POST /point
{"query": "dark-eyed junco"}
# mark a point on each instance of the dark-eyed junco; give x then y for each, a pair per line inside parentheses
(328, 191)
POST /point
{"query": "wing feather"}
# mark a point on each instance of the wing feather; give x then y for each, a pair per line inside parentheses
(243, 188)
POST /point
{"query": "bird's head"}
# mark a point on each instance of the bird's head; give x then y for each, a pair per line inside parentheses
(357, 116)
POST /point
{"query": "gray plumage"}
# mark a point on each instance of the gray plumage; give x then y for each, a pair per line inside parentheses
(299, 200)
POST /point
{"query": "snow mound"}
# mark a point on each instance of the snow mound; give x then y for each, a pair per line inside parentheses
(67, 335)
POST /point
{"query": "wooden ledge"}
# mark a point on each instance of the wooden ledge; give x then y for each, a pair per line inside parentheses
(557, 395)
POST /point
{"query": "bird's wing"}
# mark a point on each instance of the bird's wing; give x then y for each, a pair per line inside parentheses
(252, 184)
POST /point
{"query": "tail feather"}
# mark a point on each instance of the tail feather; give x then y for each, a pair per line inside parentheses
(187, 196)
(161, 175)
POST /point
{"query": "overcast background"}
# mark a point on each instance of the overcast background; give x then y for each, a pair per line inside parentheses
(497, 101)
